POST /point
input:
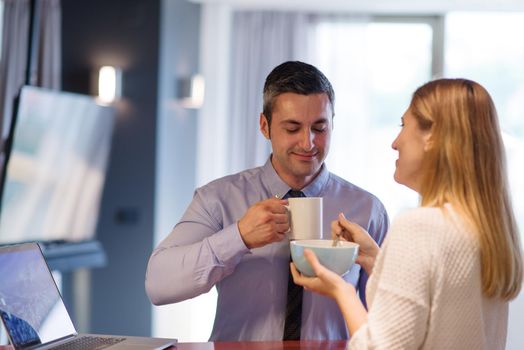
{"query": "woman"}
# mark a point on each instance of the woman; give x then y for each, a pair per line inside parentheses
(446, 271)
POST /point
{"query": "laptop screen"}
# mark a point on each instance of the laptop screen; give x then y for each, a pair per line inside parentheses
(31, 307)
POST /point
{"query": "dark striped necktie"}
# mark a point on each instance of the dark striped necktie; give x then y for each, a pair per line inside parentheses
(294, 297)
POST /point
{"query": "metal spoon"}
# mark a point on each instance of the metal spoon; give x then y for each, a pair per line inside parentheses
(336, 241)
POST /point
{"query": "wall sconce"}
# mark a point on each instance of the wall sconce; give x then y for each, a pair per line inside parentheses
(109, 84)
(190, 91)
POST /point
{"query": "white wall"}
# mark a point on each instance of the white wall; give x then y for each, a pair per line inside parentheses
(516, 322)
(190, 320)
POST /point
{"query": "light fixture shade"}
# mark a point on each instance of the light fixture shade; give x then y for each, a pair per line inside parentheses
(109, 84)
(190, 91)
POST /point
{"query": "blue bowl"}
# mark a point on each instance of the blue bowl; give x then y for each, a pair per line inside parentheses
(338, 259)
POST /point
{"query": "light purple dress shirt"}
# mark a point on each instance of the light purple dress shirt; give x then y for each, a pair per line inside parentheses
(205, 249)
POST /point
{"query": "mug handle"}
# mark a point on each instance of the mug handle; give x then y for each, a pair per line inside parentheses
(290, 229)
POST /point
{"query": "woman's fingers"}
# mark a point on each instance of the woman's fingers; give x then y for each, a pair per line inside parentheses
(346, 226)
(336, 229)
(320, 270)
(312, 259)
(353, 231)
(315, 264)
(294, 272)
(339, 231)
(299, 278)
(342, 228)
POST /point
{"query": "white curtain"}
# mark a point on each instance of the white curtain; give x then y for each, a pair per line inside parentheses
(50, 48)
(13, 64)
(14, 58)
(260, 41)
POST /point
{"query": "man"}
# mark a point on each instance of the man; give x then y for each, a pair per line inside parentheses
(233, 233)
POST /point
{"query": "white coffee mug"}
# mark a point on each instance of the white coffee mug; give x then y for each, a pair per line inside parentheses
(305, 218)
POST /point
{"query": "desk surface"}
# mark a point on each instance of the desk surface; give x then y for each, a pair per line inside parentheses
(264, 345)
(267, 345)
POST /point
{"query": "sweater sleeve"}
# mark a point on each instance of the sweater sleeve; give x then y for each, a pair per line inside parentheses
(400, 305)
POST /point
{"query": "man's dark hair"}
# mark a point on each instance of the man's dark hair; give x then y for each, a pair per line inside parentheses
(296, 77)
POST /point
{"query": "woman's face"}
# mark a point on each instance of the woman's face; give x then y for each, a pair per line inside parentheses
(411, 144)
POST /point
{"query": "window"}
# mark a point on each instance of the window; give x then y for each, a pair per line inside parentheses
(485, 47)
(374, 66)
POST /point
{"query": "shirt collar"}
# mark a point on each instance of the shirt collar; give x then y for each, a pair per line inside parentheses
(278, 187)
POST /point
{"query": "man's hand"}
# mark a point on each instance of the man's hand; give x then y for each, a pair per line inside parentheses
(265, 222)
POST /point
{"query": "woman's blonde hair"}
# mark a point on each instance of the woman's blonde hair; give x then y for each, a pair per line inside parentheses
(465, 166)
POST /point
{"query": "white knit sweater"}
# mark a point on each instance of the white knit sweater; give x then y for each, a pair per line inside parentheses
(425, 289)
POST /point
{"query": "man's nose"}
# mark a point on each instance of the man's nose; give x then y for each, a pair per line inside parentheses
(306, 140)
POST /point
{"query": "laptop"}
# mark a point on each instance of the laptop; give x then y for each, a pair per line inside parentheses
(34, 314)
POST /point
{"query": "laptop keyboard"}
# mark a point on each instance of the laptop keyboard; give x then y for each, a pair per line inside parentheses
(89, 343)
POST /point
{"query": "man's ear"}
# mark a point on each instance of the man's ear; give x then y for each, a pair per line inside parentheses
(264, 126)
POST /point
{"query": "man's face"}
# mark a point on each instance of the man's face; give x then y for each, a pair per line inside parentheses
(300, 134)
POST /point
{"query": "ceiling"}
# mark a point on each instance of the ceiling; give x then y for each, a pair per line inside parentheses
(375, 6)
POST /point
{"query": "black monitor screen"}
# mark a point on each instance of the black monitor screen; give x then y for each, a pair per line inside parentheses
(56, 169)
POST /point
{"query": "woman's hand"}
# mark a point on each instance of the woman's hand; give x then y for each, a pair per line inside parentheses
(350, 231)
(332, 285)
(326, 281)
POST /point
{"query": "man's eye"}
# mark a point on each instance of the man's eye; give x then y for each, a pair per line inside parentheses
(319, 129)
(291, 130)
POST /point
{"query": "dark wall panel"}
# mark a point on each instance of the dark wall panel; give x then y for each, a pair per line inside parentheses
(124, 33)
